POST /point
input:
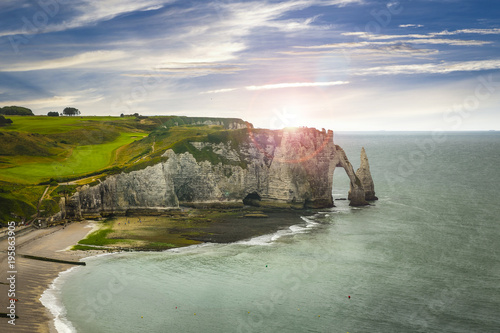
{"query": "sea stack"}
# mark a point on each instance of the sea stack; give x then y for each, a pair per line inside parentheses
(365, 176)
(356, 192)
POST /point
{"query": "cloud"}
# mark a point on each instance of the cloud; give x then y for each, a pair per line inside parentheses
(455, 42)
(204, 69)
(495, 31)
(218, 91)
(295, 25)
(244, 16)
(280, 86)
(432, 68)
(152, 8)
(82, 97)
(94, 58)
(199, 36)
(366, 44)
(296, 85)
(400, 49)
(410, 25)
(88, 13)
(365, 35)
(55, 101)
(382, 49)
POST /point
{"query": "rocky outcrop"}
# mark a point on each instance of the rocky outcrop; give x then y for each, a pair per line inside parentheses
(293, 167)
(364, 175)
(227, 125)
(356, 193)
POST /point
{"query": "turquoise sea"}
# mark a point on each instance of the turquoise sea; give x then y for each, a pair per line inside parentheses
(424, 258)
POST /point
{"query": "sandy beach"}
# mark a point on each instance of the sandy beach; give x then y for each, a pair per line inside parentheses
(34, 276)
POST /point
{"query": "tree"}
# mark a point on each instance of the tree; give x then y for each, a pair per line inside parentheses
(71, 111)
(53, 114)
(4, 121)
(16, 111)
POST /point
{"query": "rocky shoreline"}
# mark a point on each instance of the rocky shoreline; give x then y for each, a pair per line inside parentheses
(190, 226)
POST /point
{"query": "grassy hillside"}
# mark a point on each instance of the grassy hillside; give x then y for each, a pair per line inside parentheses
(76, 161)
(36, 151)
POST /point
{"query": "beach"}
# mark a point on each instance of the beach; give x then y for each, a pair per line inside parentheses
(33, 277)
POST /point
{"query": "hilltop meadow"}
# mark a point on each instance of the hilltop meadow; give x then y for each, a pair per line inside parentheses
(45, 158)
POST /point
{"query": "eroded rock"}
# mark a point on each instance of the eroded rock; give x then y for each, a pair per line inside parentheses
(365, 176)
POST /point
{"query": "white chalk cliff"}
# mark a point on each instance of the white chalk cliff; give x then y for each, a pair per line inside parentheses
(289, 167)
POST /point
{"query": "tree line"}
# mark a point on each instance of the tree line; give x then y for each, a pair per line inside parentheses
(22, 111)
(69, 111)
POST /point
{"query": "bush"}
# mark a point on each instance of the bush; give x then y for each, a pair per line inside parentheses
(53, 114)
(66, 189)
(69, 111)
(4, 121)
(49, 207)
(16, 111)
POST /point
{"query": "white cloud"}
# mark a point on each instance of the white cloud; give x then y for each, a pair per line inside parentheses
(295, 25)
(280, 86)
(495, 31)
(81, 98)
(350, 45)
(90, 12)
(96, 11)
(447, 42)
(218, 91)
(296, 85)
(222, 37)
(94, 58)
(374, 50)
(55, 101)
(410, 25)
(152, 8)
(370, 36)
(432, 68)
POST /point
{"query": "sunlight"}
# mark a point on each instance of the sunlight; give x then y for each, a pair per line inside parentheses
(286, 116)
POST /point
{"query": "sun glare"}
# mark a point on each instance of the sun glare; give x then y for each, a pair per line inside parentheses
(286, 116)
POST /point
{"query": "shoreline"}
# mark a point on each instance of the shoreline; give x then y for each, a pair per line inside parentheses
(34, 277)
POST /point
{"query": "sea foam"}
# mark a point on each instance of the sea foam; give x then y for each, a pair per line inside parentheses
(51, 299)
(266, 240)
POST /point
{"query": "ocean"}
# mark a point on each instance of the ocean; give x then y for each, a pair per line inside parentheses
(423, 258)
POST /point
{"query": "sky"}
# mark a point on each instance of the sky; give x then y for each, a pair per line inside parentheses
(336, 64)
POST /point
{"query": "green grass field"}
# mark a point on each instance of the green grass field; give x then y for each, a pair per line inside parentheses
(83, 160)
(51, 125)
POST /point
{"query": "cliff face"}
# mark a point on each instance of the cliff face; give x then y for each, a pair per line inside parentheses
(292, 166)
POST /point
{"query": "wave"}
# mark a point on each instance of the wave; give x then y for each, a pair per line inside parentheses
(269, 239)
(189, 248)
(51, 299)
